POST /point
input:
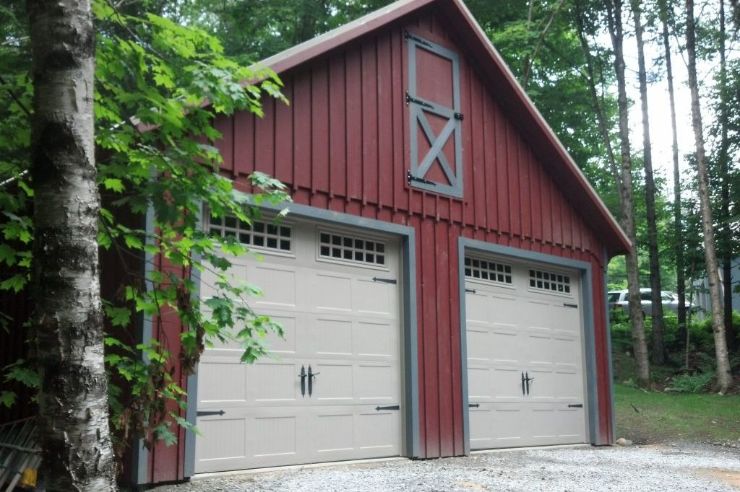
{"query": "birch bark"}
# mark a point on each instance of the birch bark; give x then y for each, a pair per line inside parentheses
(68, 321)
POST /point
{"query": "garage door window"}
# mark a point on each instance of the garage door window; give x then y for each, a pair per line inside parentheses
(490, 271)
(355, 249)
(550, 281)
(277, 237)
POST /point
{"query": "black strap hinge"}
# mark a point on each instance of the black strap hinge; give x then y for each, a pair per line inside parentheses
(412, 99)
(567, 304)
(389, 407)
(473, 405)
(459, 116)
(471, 291)
(576, 405)
(410, 177)
(385, 280)
(408, 35)
(204, 413)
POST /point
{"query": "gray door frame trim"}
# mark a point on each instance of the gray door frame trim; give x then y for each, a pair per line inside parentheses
(466, 244)
(411, 444)
(607, 324)
(140, 453)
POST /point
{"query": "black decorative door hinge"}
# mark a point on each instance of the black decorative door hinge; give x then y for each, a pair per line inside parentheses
(473, 405)
(410, 177)
(385, 280)
(408, 35)
(389, 407)
(470, 291)
(205, 413)
(575, 405)
(411, 99)
(567, 304)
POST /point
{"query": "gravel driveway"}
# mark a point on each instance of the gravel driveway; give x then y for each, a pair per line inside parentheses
(639, 468)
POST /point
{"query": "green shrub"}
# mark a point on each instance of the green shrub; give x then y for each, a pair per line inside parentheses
(691, 383)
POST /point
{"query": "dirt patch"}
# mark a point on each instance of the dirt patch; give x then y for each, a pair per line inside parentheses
(728, 477)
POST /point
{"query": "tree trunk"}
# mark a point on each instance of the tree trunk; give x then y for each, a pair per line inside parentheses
(68, 321)
(652, 228)
(591, 81)
(677, 212)
(725, 218)
(724, 377)
(639, 346)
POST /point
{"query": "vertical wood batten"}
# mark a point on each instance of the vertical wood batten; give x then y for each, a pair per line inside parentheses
(337, 127)
(431, 338)
(444, 264)
(264, 143)
(319, 129)
(283, 135)
(302, 129)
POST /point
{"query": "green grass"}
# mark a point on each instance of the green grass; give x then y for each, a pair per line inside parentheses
(669, 417)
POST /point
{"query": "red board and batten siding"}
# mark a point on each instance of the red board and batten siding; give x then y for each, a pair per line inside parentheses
(342, 144)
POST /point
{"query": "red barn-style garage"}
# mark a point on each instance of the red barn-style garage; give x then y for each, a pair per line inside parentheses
(440, 276)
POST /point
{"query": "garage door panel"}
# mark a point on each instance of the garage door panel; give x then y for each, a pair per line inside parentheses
(479, 342)
(278, 285)
(211, 387)
(375, 339)
(505, 383)
(274, 435)
(282, 346)
(332, 292)
(568, 424)
(375, 297)
(334, 432)
(218, 442)
(479, 383)
(507, 428)
(480, 428)
(378, 431)
(332, 336)
(271, 382)
(515, 331)
(335, 382)
(377, 383)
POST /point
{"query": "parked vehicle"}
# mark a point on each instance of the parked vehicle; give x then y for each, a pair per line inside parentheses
(619, 300)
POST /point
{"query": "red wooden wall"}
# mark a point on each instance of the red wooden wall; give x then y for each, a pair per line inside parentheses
(342, 144)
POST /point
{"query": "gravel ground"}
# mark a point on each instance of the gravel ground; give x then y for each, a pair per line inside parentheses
(641, 468)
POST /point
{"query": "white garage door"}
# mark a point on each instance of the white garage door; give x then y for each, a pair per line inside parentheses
(525, 354)
(337, 295)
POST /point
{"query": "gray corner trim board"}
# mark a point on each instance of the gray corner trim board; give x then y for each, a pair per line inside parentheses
(465, 245)
(407, 234)
(608, 335)
(191, 413)
(140, 458)
(418, 107)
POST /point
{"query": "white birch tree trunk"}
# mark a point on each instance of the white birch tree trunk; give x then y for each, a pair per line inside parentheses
(68, 321)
